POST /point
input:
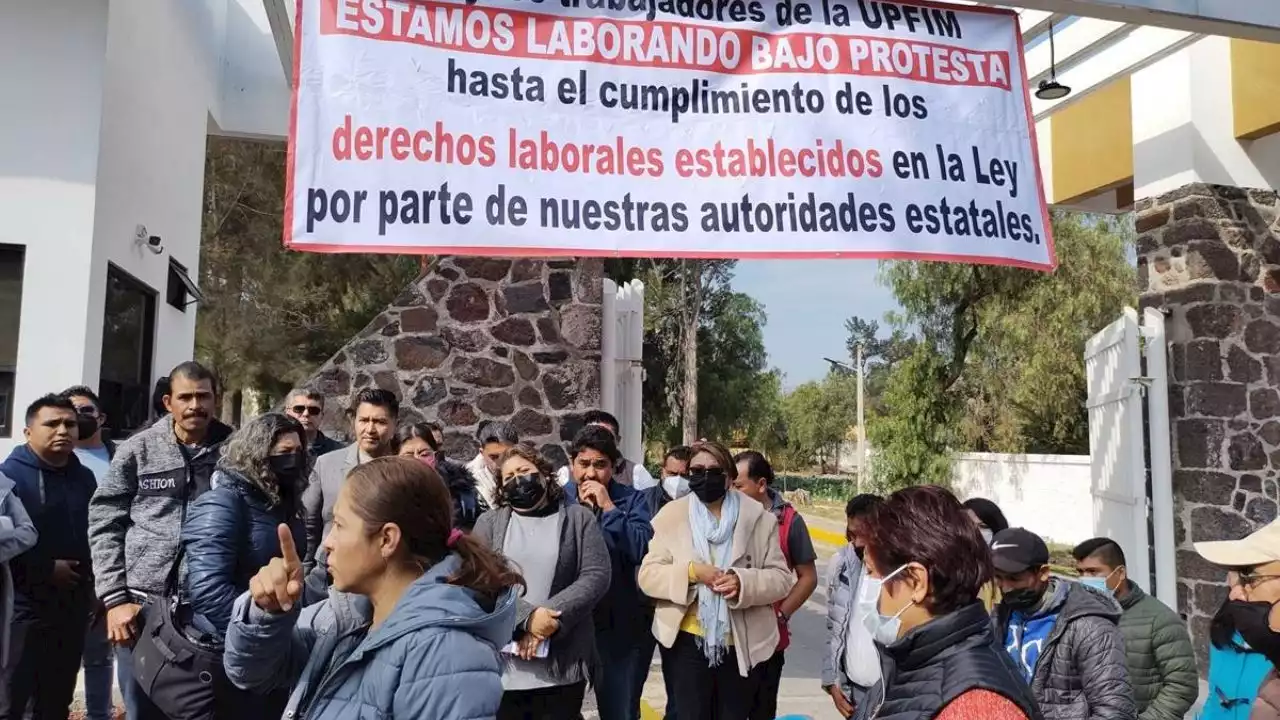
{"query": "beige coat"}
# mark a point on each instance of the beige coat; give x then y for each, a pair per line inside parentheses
(757, 561)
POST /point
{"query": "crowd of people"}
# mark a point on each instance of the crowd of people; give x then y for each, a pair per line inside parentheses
(271, 571)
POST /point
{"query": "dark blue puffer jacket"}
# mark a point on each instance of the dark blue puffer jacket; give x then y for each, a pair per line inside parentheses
(57, 499)
(230, 533)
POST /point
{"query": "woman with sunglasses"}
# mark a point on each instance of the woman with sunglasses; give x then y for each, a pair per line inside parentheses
(560, 551)
(419, 441)
(714, 569)
(939, 655)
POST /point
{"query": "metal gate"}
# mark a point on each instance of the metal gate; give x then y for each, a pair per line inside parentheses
(621, 351)
(1127, 380)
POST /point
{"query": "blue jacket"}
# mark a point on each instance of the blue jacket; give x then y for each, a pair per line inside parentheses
(1234, 677)
(435, 656)
(57, 499)
(230, 533)
(655, 498)
(627, 529)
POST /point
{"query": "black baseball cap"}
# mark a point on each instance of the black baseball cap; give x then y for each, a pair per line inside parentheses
(1017, 549)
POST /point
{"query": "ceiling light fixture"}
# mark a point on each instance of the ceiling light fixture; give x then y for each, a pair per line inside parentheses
(1051, 89)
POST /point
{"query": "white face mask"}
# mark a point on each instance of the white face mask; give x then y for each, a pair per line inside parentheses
(986, 535)
(675, 486)
(884, 629)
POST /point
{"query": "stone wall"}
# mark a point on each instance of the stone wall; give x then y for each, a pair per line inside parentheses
(1210, 257)
(479, 339)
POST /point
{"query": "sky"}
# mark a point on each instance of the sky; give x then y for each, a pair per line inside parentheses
(807, 302)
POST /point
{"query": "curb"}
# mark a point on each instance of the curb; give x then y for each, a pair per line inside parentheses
(826, 537)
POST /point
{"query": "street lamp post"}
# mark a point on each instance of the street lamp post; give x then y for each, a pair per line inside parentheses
(862, 428)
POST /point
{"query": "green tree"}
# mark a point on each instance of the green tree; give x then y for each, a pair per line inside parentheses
(763, 424)
(737, 398)
(270, 315)
(997, 362)
(732, 366)
(879, 354)
(818, 418)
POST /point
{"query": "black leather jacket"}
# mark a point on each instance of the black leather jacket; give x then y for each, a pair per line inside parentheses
(941, 660)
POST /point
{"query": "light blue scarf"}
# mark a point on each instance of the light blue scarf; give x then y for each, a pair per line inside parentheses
(713, 544)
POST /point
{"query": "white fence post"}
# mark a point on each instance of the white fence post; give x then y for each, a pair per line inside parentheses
(609, 348)
(1113, 368)
(621, 356)
(630, 368)
(1155, 352)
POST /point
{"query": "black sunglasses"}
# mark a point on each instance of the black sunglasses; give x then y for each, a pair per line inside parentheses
(306, 410)
(707, 473)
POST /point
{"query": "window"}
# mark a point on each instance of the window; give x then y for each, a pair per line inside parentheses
(11, 263)
(128, 336)
(181, 290)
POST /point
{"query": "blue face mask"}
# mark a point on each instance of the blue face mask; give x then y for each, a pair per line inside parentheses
(1098, 583)
(884, 628)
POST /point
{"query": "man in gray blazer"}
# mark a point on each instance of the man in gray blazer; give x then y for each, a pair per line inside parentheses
(374, 417)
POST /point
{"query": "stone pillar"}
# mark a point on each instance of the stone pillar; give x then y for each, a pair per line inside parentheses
(482, 339)
(1209, 256)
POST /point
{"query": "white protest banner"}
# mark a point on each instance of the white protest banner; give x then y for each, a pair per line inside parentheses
(675, 128)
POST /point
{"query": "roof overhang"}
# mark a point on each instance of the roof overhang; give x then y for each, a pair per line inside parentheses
(280, 14)
(1250, 19)
(1097, 41)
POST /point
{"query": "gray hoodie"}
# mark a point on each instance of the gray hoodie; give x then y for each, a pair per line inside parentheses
(1081, 673)
(17, 535)
(135, 518)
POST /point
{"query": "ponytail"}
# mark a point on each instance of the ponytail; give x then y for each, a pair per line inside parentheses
(414, 497)
(483, 571)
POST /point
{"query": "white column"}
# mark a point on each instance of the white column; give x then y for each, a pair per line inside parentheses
(53, 53)
(1184, 128)
(162, 74)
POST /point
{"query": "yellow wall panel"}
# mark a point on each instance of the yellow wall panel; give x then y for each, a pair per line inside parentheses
(1255, 88)
(1092, 143)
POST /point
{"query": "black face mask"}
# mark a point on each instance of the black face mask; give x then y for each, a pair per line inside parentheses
(286, 467)
(708, 484)
(87, 426)
(1023, 598)
(1251, 621)
(524, 492)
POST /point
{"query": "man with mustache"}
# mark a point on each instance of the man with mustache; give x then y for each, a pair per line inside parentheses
(136, 515)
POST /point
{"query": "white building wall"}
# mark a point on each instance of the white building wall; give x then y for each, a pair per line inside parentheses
(104, 128)
(52, 86)
(151, 166)
(1047, 494)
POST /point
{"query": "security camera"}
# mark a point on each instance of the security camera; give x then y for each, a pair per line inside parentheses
(152, 242)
